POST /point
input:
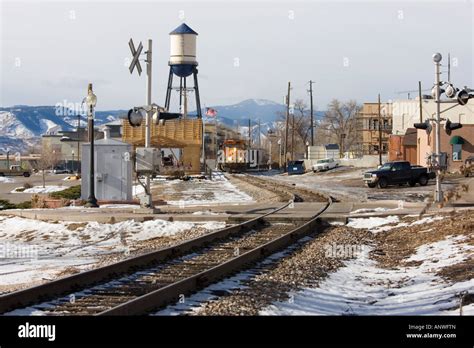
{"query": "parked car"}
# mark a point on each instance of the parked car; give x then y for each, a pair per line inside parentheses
(296, 167)
(62, 170)
(468, 167)
(325, 164)
(399, 172)
(15, 170)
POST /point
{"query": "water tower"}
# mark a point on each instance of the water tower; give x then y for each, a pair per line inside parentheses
(183, 64)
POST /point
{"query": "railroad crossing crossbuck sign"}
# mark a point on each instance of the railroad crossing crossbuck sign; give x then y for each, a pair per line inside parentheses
(136, 55)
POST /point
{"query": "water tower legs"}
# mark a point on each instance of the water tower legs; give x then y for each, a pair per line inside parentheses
(168, 90)
(196, 92)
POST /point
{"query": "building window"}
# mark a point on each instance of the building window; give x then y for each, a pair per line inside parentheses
(457, 150)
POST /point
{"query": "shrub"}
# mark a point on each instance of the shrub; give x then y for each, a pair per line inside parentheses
(27, 185)
(24, 205)
(6, 204)
(73, 192)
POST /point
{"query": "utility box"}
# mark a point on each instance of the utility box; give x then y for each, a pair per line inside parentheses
(113, 170)
(147, 159)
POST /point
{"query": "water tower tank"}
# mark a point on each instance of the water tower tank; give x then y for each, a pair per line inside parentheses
(183, 50)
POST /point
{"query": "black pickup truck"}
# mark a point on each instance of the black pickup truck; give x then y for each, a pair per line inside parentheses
(398, 173)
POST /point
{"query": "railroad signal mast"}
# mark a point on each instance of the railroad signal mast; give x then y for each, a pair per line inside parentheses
(147, 110)
(458, 97)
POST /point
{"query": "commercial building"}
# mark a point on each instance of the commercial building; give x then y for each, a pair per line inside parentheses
(368, 125)
(458, 146)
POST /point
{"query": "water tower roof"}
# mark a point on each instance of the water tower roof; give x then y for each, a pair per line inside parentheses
(183, 29)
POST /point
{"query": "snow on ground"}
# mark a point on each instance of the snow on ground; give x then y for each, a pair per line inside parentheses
(203, 192)
(5, 179)
(41, 189)
(119, 206)
(363, 288)
(370, 210)
(373, 222)
(38, 250)
(137, 189)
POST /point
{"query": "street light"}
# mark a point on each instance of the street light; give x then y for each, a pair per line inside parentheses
(72, 163)
(91, 101)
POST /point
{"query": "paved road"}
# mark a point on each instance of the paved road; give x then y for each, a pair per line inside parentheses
(346, 184)
(34, 180)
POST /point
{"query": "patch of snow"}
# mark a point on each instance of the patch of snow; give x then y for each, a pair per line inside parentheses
(264, 102)
(372, 222)
(49, 127)
(64, 244)
(363, 288)
(119, 206)
(424, 220)
(5, 179)
(369, 210)
(137, 190)
(10, 126)
(41, 189)
(206, 212)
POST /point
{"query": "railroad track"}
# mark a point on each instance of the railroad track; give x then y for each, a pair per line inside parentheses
(283, 190)
(145, 283)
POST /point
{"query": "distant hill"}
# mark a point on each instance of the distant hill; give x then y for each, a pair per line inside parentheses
(266, 111)
(22, 125)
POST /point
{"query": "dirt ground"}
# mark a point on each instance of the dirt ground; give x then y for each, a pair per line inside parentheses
(308, 266)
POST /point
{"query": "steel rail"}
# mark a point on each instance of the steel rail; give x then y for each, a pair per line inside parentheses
(80, 281)
(171, 293)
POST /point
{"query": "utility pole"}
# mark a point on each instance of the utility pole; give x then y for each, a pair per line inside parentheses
(311, 103)
(420, 101)
(259, 146)
(149, 200)
(449, 67)
(380, 133)
(259, 133)
(293, 137)
(287, 122)
(78, 141)
(438, 193)
(250, 136)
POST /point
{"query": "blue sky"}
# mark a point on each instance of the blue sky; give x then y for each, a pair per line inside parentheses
(351, 49)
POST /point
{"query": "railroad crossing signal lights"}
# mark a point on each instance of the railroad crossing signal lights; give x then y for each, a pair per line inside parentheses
(135, 117)
(451, 91)
(450, 126)
(463, 97)
(424, 125)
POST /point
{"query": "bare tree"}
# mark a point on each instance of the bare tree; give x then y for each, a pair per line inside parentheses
(341, 123)
(49, 159)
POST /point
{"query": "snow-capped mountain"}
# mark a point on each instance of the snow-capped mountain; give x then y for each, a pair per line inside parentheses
(254, 109)
(22, 126)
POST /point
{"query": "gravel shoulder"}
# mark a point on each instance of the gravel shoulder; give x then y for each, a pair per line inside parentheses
(307, 267)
